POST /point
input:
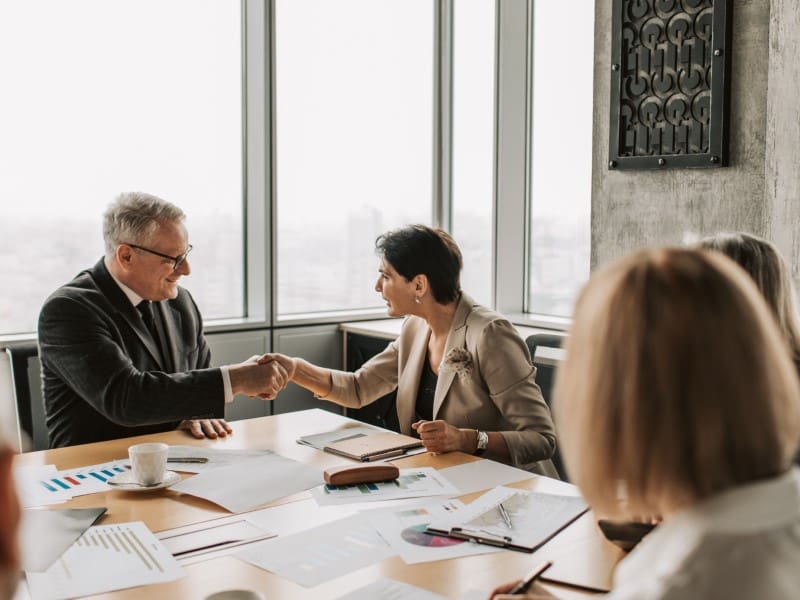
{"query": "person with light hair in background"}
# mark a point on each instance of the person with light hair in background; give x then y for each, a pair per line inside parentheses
(677, 398)
(765, 265)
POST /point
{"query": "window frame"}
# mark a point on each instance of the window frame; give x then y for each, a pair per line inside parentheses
(511, 169)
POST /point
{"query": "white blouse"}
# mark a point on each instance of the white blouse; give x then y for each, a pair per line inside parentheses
(743, 543)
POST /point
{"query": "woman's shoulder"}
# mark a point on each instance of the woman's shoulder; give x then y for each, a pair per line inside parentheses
(482, 317)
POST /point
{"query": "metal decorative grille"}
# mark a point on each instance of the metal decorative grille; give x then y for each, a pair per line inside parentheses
(670, 81)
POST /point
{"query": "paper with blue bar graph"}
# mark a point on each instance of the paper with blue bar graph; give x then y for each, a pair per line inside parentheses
(412, 483)
(42, 485)
(104, 559)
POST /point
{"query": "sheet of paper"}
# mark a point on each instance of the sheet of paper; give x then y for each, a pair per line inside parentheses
(217, 457)
(318, 555)
(35, 488)
(104, 559)
(403, 528)
(44, 535)
(412, 483)
(483, 474)
(245, 485)
(43, 485)
(91, 479)
(213, 538)
(389, 589)
(320, 440)
(535, 517)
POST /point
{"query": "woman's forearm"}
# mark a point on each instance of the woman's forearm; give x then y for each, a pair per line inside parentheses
(315, 379)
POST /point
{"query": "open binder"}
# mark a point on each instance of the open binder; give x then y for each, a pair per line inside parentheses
(531, 519)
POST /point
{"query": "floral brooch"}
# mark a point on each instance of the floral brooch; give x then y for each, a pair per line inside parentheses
(459, 361)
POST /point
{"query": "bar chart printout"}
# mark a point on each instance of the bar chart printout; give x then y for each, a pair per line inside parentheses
(412, 483)
(104, 559)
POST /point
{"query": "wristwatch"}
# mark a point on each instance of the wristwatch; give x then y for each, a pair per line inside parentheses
(483, 442)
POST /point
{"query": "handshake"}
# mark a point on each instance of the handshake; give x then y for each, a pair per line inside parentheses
(262, 376)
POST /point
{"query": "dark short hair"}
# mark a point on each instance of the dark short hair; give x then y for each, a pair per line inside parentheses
(421, 250)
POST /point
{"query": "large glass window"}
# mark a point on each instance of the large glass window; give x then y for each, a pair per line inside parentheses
(473, 141)
(561, 164)
(101, 97)
(354, 128)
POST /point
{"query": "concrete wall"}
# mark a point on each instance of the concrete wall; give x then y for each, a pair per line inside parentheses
(782, 190)
(756, 193)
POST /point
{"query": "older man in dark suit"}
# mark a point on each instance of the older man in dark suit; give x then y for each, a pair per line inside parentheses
(122, 346)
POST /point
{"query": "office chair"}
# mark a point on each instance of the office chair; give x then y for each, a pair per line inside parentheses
(545, 375)
(24, 360)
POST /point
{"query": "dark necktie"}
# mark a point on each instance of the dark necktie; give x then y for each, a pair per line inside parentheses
(145, 308)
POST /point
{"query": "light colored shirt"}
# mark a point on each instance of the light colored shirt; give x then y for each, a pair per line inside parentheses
(136, 299)
(742, 543)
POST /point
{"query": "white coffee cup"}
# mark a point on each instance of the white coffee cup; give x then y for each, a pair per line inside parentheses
(149, 462)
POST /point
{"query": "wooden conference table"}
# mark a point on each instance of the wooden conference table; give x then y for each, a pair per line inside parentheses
(579, 552)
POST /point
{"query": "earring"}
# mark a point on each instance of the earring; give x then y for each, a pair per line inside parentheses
(417, 299)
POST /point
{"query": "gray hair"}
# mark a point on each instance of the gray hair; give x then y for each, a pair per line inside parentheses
(134, 217)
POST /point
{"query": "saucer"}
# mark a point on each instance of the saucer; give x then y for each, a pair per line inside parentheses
(235, 595)
(125, 481)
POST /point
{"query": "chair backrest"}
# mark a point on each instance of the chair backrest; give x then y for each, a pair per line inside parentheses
(24, 360)
(545, 375)
(9, 420)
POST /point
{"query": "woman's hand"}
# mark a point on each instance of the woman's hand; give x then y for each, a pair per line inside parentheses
(440, 437)
(536, 592)
(287, 362)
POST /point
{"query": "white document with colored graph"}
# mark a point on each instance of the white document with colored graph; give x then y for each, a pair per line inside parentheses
(412, 483)
(104, 559)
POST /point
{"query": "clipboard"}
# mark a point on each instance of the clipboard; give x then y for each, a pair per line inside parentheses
(535, 519)
(376, 446)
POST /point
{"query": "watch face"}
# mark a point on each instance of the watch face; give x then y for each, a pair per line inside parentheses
(483, 440)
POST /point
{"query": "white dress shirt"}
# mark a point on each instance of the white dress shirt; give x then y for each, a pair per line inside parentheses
(136, 299)
(742, 543)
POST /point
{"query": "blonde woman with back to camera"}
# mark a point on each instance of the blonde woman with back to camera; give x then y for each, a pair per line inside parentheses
(677, 394)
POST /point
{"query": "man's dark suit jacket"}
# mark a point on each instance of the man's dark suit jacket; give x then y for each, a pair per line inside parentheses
(103, 376)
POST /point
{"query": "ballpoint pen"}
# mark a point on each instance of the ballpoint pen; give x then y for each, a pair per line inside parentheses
(524, 585)
(188, 459)
(505, 515)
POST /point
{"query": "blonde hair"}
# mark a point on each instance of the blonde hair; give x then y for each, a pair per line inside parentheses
(765, 265)
(675, 386)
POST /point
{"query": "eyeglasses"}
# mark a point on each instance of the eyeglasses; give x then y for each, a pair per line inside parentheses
(177, 261)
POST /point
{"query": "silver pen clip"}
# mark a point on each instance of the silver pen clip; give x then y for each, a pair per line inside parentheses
(480, 537)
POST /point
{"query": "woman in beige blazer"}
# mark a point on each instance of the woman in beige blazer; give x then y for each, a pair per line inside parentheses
(463, 375)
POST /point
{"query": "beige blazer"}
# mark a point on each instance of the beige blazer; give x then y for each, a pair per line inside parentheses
(494, 391)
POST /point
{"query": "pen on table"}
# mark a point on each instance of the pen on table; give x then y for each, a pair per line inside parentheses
(188, 459)
(505, 515)
(529, 579)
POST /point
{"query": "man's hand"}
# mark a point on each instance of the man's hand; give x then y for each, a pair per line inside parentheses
(288, 363)
(206, 428)
(254, 378)
(440, 437)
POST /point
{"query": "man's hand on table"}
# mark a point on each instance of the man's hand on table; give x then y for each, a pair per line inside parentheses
(206, 428)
